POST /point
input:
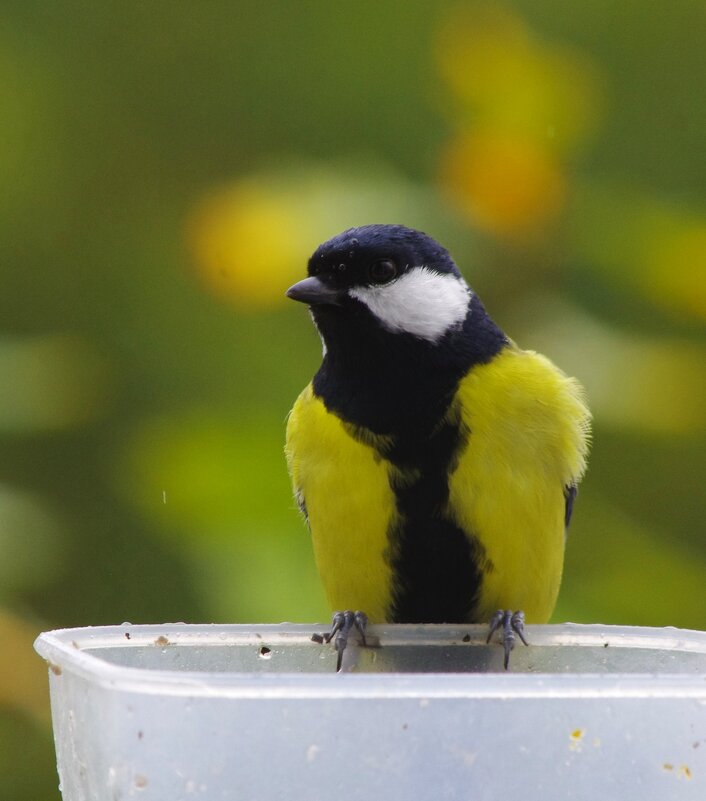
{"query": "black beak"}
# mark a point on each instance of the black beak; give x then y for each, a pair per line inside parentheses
(314, 291)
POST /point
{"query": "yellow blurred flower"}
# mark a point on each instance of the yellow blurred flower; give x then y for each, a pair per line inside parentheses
(249, 243)
(23, 677)
(504, 78)
(507, 185)
(522, 107)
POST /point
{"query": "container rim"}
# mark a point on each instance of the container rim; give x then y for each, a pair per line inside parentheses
(66, 650)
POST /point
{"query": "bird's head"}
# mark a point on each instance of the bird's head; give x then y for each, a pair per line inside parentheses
(389, 277)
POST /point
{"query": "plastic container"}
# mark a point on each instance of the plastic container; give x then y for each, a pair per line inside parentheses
(179, 712)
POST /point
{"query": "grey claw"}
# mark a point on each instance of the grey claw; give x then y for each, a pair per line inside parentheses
(360, 619)
(517, 621)
(341, 625)
(495, 622)
(512, 623)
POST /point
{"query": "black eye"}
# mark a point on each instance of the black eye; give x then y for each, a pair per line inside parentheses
(383, 271)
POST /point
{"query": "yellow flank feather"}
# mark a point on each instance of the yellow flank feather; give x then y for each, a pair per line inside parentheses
(349, 502)
(528, 439)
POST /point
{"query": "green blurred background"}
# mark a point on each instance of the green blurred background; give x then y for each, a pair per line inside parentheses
(167, 167)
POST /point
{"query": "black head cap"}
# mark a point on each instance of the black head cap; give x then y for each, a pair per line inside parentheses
(347, 257)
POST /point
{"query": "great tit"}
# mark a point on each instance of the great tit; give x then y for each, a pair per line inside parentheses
(435, 462)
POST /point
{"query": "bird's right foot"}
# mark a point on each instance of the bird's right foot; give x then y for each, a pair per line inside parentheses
(512, 623)
(342, 624)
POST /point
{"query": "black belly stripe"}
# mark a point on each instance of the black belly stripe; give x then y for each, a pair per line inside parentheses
(437, 567)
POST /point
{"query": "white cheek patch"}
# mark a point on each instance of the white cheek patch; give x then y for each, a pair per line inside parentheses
(421, 302)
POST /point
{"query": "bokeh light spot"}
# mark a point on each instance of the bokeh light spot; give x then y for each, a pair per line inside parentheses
(505, 185)
(502, 77)
(248, 244)
(675, 269)
(23, 677)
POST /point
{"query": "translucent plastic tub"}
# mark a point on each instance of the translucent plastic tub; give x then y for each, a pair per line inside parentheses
(180, 711)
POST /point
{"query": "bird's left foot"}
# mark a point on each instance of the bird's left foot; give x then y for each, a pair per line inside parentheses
(341, 626)
(512, 623)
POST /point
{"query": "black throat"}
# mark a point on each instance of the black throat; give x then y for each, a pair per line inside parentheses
(394, 383)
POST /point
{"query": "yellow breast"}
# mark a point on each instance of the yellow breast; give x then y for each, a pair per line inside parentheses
(349, 505)
(528, 439)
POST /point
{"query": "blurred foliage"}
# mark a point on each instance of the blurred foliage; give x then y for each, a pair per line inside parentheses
(168, 167)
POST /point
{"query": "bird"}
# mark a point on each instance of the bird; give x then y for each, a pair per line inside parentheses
(435, 462)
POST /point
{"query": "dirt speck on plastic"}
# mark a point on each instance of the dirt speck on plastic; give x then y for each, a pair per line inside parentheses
(576, 739)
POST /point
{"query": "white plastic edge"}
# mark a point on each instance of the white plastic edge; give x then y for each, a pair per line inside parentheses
(63, 650)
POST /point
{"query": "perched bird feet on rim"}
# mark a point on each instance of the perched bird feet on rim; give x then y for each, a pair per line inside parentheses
(342, 624)
(512, 623)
